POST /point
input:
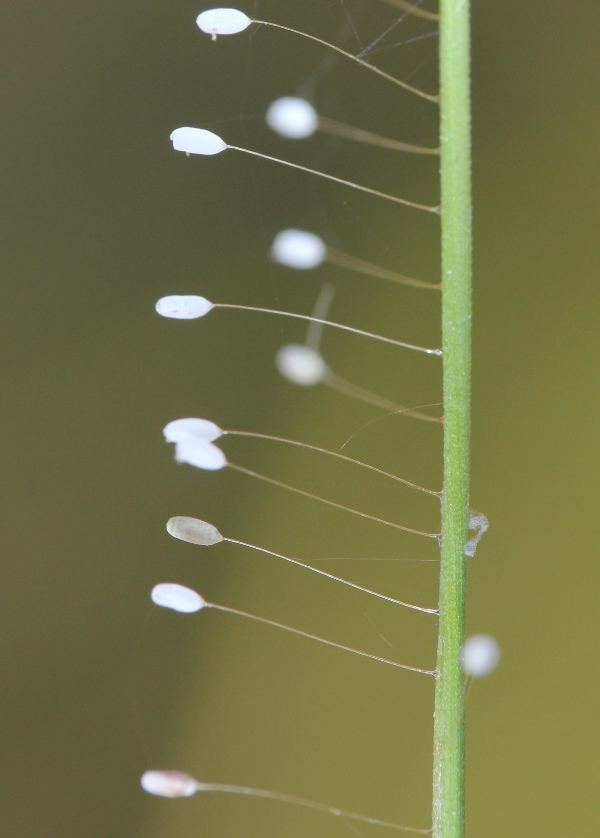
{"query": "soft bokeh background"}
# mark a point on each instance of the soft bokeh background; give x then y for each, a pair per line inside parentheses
(101, 218)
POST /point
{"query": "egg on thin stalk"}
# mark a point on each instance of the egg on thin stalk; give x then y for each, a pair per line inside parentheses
(193, 530)
(301, 365)
(298, 249)
(292, 117)
(183, 307)
(169, 783)
(197, 141)
(222, 22)
(203, 429)
(201, 454)
(177, 598)
(480, 655)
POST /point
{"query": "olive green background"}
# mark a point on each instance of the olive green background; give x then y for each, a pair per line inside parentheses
(100, 218)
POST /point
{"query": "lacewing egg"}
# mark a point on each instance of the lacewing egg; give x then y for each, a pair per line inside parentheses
(201, 454)
(186, 307)
(193, 530)
(480, 655)
(169, 783)
(177, 597)
(300, 364)
(180, 429)
(292, 117)
(222, 22)
(298, 249)
(197, 141)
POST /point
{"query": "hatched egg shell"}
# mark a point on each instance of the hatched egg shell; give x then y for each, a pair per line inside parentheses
(169, 783)
(197, 141)
(201, 454)
(177, 597)
(292, 117)
(298, 249)
(301, 365)
(180, 429)
(183, 307)
(223, 21)
(193, 530)
(480, 655)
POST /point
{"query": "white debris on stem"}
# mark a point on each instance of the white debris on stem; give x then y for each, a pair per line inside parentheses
(177, 598)
(480, 655)
(298, 249)
(292, 117)
(479, 523)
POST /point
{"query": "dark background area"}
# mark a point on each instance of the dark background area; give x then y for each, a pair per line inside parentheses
(100, 219)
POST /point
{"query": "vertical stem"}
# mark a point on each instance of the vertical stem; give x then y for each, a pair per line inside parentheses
(448, 775)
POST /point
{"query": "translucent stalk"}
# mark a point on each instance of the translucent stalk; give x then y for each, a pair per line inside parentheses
(334, 454)
(330, 576)
(412, 9)
(341, 385)
(272, 623)
(309, 495)
(309, 804)
(356, 392)
(430, 97)
(314, 332)
(344, 260)
(348, 132)
(435, 210)
(328, 323)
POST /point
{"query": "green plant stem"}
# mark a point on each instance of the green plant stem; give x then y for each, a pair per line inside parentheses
(448, 774)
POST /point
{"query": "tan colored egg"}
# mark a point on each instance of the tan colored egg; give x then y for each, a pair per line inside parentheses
(193, 530)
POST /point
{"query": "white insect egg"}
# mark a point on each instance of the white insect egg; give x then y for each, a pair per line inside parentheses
(177, 597)
(197, 141)
(298, 249)
(480, 655)
(222, 22)
(199, 453)
(301, 364)
(193, 530)
(180, 429)
(292, 117)
(169, 783)
(186, 307)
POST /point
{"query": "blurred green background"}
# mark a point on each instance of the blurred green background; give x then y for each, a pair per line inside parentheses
(100, 219)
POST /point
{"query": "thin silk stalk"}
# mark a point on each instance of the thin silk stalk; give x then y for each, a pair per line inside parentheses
(449, 750)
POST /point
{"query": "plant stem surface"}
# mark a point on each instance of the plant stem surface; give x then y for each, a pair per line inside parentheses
(455, 143)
